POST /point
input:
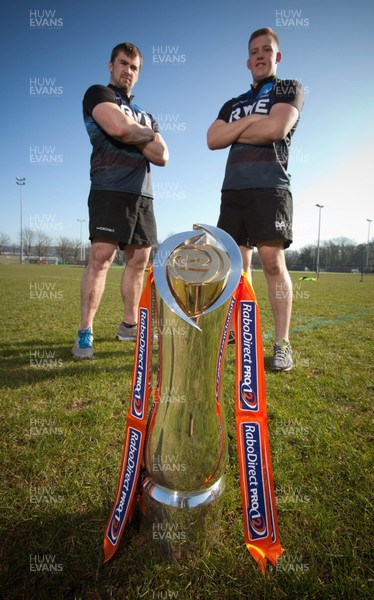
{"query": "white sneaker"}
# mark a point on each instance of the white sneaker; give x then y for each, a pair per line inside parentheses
(282, 359)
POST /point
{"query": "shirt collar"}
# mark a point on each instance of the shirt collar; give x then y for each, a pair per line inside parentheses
(117, 89)
(255, 90)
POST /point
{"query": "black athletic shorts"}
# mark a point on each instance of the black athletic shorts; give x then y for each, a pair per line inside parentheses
(257, 215)
(122, 217)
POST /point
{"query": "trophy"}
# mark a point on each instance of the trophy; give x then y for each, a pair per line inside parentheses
(195, 276)
(174, 458)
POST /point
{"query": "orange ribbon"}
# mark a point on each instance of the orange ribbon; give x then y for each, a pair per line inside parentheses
(136, 426)
(256, 477)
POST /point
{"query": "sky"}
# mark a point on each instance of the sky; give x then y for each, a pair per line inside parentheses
(194, 56)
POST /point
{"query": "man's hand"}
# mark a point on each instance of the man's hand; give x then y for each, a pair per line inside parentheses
(120, 126)
(222, 134)
(259, 130)
(276, 125)
(156, 151)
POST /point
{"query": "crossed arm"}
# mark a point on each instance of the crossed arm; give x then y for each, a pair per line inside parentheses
(124, 129)
(254, 129)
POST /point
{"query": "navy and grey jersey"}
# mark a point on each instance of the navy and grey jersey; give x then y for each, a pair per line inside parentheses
(255, 166)
(114, 165)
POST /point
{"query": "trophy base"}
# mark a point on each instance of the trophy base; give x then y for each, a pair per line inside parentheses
(179, 525)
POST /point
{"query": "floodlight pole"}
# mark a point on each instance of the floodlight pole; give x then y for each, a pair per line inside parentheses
(83, 257)
(367, 246)
(21, 181)
(320, 206)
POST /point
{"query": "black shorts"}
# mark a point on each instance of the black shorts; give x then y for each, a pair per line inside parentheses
(122, 217)
(257, 215)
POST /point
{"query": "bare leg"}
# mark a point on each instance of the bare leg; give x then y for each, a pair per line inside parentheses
(247, 259)
(93, 280)
(132, 280)
(279, 285)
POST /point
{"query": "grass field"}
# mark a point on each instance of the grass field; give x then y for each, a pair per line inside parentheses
(63, 424)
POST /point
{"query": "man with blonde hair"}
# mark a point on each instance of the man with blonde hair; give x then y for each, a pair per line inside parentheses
(256, 202)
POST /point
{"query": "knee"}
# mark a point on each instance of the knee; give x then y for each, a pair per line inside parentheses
(273, 262)
(100, 261)
(99, 264)
(273, 268)
(138, 260)
(136, 264)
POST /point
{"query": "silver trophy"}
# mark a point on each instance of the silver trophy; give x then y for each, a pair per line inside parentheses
(195, 275)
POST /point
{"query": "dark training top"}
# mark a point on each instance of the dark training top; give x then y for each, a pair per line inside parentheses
(114, 165)
(252, 166)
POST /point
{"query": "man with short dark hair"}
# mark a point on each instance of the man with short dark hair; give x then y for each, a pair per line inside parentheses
(256, 202)
(125, 140)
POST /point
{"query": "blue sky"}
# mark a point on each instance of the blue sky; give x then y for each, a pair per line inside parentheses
(194, 60)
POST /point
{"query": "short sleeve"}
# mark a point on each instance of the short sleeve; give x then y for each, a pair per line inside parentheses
(225, 112)
(97, 94)
(289, 91)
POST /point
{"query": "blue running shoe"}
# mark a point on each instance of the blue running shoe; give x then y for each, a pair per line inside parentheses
(83, 347)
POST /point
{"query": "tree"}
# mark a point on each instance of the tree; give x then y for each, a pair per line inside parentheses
(42, 244)
(64, 248)
(28, 236)
(76, 248)
(307, 256)
(4, 241)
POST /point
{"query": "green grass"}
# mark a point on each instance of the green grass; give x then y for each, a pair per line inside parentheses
(63, 426)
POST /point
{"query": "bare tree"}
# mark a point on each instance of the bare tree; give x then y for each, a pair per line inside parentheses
(42, 244)
(4, 241)
(75, 247)
(64, 248)
(28, 237)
